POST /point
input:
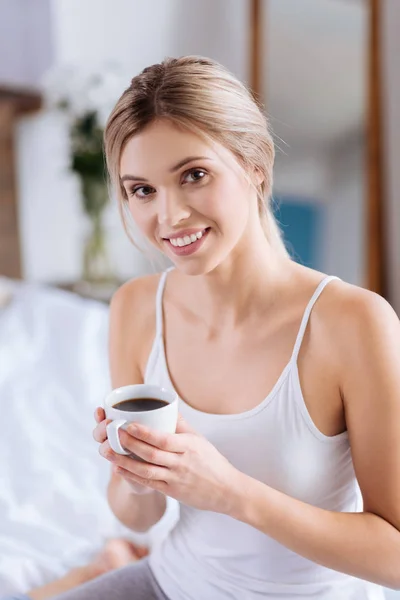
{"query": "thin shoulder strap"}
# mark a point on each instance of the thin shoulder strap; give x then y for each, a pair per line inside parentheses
(159, 302)
(307, 313)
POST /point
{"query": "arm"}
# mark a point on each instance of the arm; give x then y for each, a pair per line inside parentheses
(367, 544)
(138, 513)
(130, 321)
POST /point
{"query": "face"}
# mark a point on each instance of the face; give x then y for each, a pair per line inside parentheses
(190, 199)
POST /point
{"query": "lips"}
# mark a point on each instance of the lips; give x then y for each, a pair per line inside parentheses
(187, 242)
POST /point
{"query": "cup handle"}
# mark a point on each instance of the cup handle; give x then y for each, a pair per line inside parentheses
(113, 436)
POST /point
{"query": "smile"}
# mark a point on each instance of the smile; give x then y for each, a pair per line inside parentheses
(187, 244)
(187, 239)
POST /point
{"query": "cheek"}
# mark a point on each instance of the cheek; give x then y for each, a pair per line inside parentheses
(142, 217)
(227, 205)
(143, 224)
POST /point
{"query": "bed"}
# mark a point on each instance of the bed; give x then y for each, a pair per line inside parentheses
(53, 373)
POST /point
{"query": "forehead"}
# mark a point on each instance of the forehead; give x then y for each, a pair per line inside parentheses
(162, 145)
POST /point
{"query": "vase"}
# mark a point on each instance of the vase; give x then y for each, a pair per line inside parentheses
(96, 264)
(96, 267)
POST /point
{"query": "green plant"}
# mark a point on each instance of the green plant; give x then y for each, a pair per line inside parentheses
(87, 160)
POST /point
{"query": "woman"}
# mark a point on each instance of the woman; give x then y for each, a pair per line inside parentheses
(286, 459)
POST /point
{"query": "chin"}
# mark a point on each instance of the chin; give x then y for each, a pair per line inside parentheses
(192, 268)
(196, 267)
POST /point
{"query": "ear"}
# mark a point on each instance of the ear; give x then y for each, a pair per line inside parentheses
(257, 176)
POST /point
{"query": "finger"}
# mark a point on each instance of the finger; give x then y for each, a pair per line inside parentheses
(106, 451)
(158, 485)
(164, 441)
(99, 414)
(100, 431)
(141, 551)
(143, 470)
(149, 453)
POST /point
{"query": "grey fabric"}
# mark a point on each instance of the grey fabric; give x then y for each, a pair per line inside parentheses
(134, 582)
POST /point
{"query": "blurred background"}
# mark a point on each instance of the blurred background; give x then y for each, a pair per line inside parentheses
(325, 70)
(327, 73)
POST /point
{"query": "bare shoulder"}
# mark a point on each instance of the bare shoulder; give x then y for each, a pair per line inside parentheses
(355, 314)
(363, 330)
(132, 328)
(134, 295)
(345, 312)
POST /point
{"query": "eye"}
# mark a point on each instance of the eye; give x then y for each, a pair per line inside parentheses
(141, 191)
(194, 175)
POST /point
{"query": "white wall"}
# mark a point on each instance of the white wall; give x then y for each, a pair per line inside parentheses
(303, 174)
(140, 33)
(344, 232)
(25, 41)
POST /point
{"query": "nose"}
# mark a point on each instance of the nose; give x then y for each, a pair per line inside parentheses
(172, 209)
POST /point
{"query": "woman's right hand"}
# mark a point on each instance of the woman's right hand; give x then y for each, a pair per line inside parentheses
(100, 435)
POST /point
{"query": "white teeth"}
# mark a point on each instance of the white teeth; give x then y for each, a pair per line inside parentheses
(188, 239)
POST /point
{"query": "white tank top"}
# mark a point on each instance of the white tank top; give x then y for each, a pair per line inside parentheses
(210, 556)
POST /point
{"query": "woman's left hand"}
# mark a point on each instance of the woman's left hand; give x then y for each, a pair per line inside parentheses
(183, 465)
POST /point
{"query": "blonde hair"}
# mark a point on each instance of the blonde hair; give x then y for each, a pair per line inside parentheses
(200, 95)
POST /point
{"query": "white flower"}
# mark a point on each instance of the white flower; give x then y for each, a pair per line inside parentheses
(81, 90)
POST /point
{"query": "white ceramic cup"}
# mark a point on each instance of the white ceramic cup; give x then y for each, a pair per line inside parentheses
(162, 419)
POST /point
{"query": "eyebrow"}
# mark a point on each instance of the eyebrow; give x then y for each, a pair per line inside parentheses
(173, 169)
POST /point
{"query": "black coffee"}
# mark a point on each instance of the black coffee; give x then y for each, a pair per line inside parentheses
(140, 404)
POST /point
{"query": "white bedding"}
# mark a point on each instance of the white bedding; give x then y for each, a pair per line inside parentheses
(53, 373)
